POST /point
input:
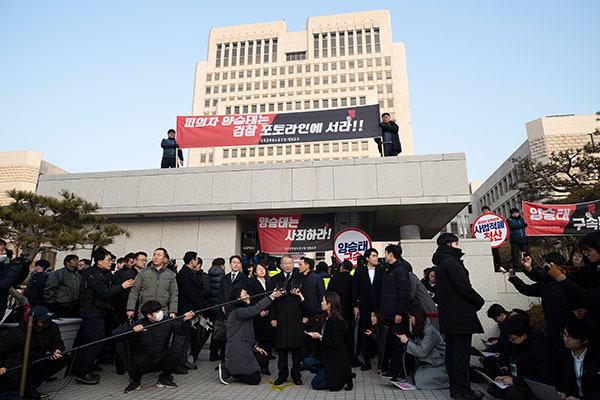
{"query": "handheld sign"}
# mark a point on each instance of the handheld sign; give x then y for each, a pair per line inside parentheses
(492, 227)
(351, 243)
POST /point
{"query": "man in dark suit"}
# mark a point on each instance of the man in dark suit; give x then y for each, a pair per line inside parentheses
(458, 304)
(286, 315)
(366, 297)
(341, 283)
(193, 295)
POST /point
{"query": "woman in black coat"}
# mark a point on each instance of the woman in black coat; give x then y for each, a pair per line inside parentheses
(263, 331)
(334, 371)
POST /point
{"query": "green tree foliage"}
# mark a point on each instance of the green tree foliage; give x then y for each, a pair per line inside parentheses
(34, 223)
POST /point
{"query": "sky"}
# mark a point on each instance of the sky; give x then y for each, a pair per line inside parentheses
(94, 86)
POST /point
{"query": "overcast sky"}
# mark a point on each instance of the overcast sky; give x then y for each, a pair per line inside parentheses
(95, 85)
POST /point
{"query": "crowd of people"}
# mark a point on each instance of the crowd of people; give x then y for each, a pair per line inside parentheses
(330, 319)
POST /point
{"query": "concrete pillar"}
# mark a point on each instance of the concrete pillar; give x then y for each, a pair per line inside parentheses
(408, 232)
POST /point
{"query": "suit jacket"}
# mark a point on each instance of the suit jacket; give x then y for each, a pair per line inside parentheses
(367, 296)
(226, 286)
(193, 291)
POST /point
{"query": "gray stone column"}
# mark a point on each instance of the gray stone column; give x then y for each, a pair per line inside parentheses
(408, 232)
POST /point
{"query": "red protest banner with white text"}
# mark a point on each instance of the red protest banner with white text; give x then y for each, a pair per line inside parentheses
(286, 233)
(561, 219)
(260, 129)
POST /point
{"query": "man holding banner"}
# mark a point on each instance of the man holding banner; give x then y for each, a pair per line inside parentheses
(389, 142)
(170, 151)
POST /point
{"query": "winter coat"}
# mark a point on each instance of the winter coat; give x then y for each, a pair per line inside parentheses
(367, 296)
(336, 359)
(419, 296)
(226, 286)
(155, 340)
(62, 287)
(313, 289)
(431, 373)
(534, 360)
(152, 284)
(554, 304)
(12, 345)
(215, 273)
(193, 288)
(516, 228)
(341, 284)
(99, 291)
(458, 302)
(239, 353)
(395, 291)
(35, 288)
(122, 275)
(391, 129)
(590, 384)
(170, 148)
(10, 275)
(583, 291)
(288, 311)
(263, 330)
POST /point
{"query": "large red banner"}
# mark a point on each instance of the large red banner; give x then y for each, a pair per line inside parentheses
(248, 130)
(285, 233)
(561, 219)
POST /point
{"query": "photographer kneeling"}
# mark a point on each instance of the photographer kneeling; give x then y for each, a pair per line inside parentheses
(152, 345)
(244, 360)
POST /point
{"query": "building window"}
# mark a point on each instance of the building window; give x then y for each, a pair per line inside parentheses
(297, 56)
(236, 109)
(243, 152)
(226, 56)
(363, 100)
(234, 54)
(342, 44)
(254, 108)
(364, 145)
(258, 46)
(343, 78)
(207, 103)
(279, 106)
(306, 104)
(316, 68)
(271, 107)
(324, 42)
(344, 102)
(352, 101)
(325, 103)
(354, 146)
(242, 55)
(333, 45)
(298, 149)
(307, 68)
(298, 105)
(336, 147)
(274, 55)
(325, 66)
(270, 151)
(288, 150)
(267, 47)
(225, 153)
(390, 103)
(359, 48)
(368, 41)
(218, 63)
(214, 102)
(261, 151)
(250, 55)
(334, 102)
(350, 43)
(345, 146)
(290, 83)
(315, 103)
(307, 81)
(388, 89)
(208, 90)
(228, 110)
(316, 148)
(234, 153)
(299, 69)
(325, 80)
(316, 45)
(377, 43)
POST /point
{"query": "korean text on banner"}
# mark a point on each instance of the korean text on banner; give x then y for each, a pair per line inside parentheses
(262, 129)
(286, 233)
(561, 219)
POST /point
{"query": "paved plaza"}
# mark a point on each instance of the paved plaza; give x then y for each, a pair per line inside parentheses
(203, 383)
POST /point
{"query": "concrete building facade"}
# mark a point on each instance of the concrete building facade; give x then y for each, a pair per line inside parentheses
(21, 170)
(338, 61)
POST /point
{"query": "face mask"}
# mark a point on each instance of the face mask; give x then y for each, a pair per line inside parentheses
(159, 316)
(3, 258)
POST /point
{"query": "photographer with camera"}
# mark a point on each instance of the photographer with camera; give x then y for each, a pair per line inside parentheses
(286, 315)
(12, 272)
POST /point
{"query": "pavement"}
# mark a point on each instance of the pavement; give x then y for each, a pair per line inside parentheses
(204, 383)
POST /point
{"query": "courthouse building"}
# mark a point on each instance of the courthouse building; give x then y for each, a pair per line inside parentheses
(339, 61)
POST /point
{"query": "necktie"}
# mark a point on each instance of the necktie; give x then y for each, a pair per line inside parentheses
(233, 277)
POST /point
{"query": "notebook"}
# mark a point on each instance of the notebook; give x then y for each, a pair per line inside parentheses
(543, 391)
(500, 384)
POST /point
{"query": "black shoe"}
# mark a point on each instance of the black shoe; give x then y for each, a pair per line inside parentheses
(272, 357)
(164, 382)
(88, 379)
(34, 394)
(265, 371)
(297, 382)
(223, 374)
(97, 368)
(120, 371)
(279, 381)
(365, 367)
(349, 385)
(355, 363)
(386, 374)
(95, 375)
(189, 365)
(133, 386)
(353, 375)
(180, 371)
(468, 396)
